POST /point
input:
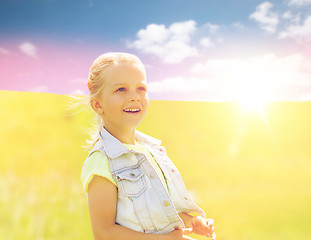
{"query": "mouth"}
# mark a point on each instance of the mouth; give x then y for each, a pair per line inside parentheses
(132, 110)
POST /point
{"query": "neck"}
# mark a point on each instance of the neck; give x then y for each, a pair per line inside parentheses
(126, 136)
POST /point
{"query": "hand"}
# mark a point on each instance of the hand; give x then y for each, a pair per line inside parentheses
(180, 234)
(204, 227)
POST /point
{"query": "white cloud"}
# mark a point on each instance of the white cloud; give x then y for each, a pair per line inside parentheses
(172, 44)
(287, 15)
(181, 31)
(299, 2)
(212, 28)
(41, 88)
(266, 76)
(298, 32)
(290, 18)
(305, 97)
(178, 84)
(29, 49)
(4, 51)
(238, 25)
(267, 19)
(206, 42)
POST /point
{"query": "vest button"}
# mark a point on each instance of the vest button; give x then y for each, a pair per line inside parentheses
(152, 176)
(166, 203)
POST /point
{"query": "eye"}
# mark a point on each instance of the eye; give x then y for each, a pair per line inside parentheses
(142, 89)
(122, 89)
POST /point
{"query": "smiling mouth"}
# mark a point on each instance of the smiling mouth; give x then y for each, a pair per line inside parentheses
(131, 110)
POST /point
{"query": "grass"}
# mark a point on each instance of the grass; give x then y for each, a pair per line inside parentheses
(250, 173)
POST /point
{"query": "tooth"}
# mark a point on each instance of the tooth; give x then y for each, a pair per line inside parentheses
(132, 110)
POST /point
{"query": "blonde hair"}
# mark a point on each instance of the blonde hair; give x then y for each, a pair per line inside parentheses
(97, 76)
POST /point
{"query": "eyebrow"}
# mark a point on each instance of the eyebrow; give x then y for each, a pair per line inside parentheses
(119, 83)
(126, 83)
(116, 85)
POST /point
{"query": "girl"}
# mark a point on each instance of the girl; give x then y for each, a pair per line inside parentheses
(134, 190)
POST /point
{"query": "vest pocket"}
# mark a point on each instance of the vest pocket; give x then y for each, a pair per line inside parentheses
(131, 182)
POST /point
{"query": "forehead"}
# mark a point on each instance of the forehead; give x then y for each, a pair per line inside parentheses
(125, 72)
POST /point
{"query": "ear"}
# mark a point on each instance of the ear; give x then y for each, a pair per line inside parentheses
(95, 104)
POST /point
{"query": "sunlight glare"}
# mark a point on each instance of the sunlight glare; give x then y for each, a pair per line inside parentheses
(253, 97)
(253, 105)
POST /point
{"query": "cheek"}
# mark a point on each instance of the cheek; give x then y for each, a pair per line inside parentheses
(145, 97)
(114, 100)
(111, 105)
(146, 101)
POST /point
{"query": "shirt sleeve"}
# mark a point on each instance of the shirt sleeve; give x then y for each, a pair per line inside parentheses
(96, 164)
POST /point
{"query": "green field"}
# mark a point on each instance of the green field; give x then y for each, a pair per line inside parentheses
(250, 172)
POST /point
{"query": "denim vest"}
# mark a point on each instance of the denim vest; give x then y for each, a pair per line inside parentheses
(143, 203)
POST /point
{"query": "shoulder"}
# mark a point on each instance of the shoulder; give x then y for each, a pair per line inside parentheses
(95, 159)
(96, 164)
(97, 156)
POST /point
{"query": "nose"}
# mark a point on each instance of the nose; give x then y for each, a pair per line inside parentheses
(135, 97)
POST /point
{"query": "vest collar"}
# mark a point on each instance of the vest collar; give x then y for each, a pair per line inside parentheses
(141, 137)
(114, 148)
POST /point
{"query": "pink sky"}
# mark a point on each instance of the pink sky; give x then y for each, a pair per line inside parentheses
(246, 51)
(56, 69)
(63, 69)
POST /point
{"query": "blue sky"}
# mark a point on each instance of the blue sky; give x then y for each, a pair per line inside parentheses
(193, 50)
(119, 18)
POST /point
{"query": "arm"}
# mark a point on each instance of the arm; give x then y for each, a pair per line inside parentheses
(102, 198)
(187, 219)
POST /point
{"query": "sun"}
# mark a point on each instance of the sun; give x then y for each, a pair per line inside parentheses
(253, 104)
(253, 97)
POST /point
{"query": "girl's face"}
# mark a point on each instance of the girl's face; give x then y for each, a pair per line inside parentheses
(124, 99)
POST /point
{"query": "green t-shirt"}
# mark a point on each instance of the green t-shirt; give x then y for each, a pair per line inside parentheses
(98, 164)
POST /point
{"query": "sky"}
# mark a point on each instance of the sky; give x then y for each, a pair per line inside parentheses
(198, 50)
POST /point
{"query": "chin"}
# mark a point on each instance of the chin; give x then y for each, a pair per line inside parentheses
(133, 125)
